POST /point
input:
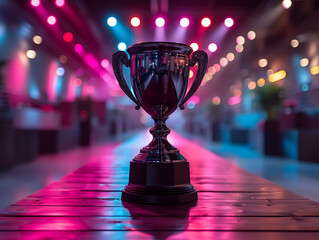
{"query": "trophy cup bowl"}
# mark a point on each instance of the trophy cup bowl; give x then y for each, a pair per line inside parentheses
(159, 73)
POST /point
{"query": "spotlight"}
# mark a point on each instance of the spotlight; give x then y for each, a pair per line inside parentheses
(229, 22)
(60, 71)
(212, 47)
(31, 54)
(160, 22)
(59, 3)
(184, 22)
(194, 46)
(111, 21)
(35, 3)
(206, 22)
(135, 21)
(121, 46)
(51, 20)
(286, 4)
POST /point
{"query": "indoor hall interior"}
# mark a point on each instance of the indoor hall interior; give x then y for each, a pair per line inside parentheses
(228, 89)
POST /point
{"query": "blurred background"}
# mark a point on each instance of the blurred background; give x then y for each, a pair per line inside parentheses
(259, 96)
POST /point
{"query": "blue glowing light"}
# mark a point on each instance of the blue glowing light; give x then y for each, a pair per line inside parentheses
(111, 21)
(60, 71)
(191, 105)
(121, 46)
(304, 87)
(34, 90)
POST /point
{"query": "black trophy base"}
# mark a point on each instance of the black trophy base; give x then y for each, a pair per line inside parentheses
(159, 183)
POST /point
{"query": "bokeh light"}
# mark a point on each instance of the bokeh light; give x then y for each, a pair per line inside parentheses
(194, 46)
(59, 3)
(105, 63)
(160, 22)
(212, 47)
(68, 37)
(63, 59)
(240, 40)
(286, 4)
(78, 48)
(251, 35)
(230, 57)
(60, 71)
(223, 62)
(121, 46)
(135, 22)
(206, 22)
(184, 22)
(191, 74)
(51, 20)
(239, 48)
(37, 39)
(261, 82)
(111, 21)
(216, 100)
(294, 43)
(216, 67)
(31, 54)
(78, 82)
(314, 70)
(35, 3)
(262, 62)
(252, 85)
(304, 62)
(229, 22)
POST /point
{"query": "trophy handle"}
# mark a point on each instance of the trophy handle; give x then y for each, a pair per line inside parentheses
(201, 58)
(118, 59)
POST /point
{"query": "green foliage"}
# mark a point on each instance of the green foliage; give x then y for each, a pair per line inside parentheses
(269, 98)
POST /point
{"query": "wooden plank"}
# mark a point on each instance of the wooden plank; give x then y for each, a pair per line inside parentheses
(161, 223)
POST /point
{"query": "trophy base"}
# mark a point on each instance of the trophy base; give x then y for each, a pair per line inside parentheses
(159, 183)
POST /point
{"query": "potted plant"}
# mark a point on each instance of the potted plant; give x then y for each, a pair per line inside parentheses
(270, 99)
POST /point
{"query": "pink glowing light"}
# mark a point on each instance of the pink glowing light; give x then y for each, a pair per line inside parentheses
(79, 72)
(59, 3)
(229, 22)
(51, 20)
(234, 100)
(212, 47)
(68, 37)
(78, 82)
(184, 22)
(105, 63)
(160, 22)
(78, 48)
(90, 60)
(216, 67)
(195, 99)
(35, 3)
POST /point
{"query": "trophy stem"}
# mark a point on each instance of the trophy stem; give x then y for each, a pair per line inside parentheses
(159, 149)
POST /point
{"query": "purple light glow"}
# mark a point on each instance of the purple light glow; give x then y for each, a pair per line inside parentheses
(90, 60)
(59, 3)
(105, 63)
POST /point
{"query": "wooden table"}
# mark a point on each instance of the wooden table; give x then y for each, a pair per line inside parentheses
(233, 204)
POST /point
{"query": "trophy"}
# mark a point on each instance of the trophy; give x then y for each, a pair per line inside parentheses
(159, 73)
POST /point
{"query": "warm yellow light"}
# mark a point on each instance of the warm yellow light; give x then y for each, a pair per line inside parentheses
(262, 62)
(277, 76)
(31, 54)
(230, 56)
(239, 48)
(208, 76)
(294, 43)
(240, 40)
(251, 35)
(216, 100)
(286, 4)
(252, 85)
(37, 39)
(261, 82)
(304, 62)
(191, 73)
(314, 70)
(223, 62)
(212, 70)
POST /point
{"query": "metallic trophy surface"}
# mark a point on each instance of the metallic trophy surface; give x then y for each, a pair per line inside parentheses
(159, 73)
